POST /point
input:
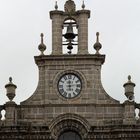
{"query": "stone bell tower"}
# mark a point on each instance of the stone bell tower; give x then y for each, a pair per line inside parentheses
(80, 21)
(70, 102)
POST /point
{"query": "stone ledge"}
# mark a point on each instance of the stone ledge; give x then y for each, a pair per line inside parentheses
(43, 58)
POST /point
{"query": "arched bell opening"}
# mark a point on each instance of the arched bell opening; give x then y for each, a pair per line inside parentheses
(70, 36)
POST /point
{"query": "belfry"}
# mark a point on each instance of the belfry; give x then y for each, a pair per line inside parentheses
(70, 102)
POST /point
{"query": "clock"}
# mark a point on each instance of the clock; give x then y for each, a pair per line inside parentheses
(69, 85)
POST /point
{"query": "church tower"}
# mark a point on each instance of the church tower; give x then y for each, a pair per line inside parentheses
(70, 102)
(71, 19)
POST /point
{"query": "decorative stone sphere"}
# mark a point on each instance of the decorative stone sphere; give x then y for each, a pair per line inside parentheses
(42, 46)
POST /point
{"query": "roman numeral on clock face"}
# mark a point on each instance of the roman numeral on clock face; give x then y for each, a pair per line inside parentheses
(69, 76)
(61, 90)
(60, 86)
(65, 94)
(69, 95)
(77, 90)
(78, 86)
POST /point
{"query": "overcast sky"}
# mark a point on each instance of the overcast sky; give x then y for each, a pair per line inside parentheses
(22, 21)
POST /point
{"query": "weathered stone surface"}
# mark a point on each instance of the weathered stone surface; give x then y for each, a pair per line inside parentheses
(93, 114)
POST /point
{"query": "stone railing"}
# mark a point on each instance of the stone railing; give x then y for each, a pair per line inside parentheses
(137, 106)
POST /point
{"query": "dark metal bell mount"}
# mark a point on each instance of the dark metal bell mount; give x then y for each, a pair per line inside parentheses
(70, 36)
(70, 47)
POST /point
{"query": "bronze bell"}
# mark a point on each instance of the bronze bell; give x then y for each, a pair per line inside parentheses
(69, 34)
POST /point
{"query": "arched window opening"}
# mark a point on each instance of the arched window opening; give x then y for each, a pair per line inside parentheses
(69, 135)
(70, 37)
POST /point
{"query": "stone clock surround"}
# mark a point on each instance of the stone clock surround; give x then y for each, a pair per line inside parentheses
(87, 67)
(91, 102)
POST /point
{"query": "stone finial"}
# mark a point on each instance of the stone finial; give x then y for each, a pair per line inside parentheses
(70, 6)
(56, 5)
(129, 78)
(129, 89)
(10, 89)
(83, 5)
(97, 45)
(97, 34)
(10, 79)
(42, 46)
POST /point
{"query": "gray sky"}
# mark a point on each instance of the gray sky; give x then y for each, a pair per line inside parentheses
(22, 21)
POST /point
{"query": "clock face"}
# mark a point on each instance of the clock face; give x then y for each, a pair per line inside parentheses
(69, 85)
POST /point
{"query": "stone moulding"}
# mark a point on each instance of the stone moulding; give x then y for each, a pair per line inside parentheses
(69, 122)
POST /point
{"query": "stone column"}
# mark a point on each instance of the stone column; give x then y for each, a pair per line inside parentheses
(83, 16)
(57, 22)
(11, 113)
(129, 113)
(10, 106)
(129, 104)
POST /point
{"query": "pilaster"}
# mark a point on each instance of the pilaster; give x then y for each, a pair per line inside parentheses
(57, 21)
(83, 16)
(11, 113)
(129, 113)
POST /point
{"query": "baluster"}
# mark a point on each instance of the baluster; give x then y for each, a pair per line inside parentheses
(0, 115)
(139, 114)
